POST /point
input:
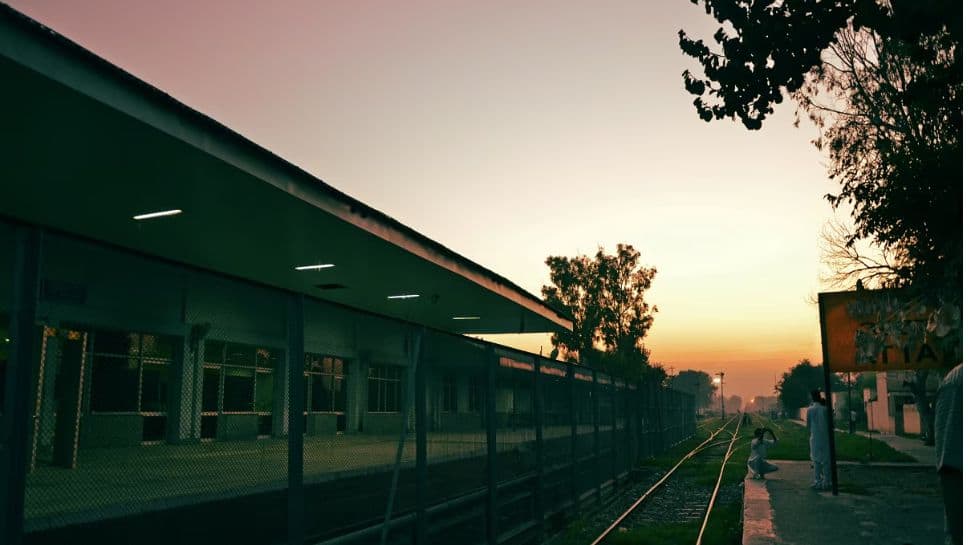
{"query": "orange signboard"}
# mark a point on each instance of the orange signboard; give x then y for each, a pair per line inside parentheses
(875, 330)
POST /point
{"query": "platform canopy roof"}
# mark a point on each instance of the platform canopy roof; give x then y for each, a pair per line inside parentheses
(87, 146)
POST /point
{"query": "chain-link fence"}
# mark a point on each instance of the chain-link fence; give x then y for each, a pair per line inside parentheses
(166, 404)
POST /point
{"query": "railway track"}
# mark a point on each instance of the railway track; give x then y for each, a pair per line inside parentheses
(684, 505)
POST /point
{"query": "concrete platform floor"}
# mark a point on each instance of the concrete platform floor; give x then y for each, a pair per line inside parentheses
(122, 481)
(882, 505)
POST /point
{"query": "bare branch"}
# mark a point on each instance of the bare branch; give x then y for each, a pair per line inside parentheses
(850, 261)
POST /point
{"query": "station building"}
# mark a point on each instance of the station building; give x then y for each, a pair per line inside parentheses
(165, 283)
(177, 324)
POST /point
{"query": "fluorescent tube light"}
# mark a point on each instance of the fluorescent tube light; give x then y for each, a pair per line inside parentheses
(151, 215)
(466, 318)
(314, 267)
(404, 296)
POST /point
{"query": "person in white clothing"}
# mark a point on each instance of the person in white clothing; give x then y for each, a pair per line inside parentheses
(817, 422)
(949, 451)
(757, 461)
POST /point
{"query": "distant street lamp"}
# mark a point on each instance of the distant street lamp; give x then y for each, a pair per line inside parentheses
(719, 380)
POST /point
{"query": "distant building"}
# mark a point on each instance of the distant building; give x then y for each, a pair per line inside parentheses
(892, 408)
(763, 404)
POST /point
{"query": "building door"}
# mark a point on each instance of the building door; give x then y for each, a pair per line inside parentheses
(68, 387)
(60, 378)
(898, 416)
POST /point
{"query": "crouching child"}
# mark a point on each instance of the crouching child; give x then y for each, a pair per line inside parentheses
(757, 462)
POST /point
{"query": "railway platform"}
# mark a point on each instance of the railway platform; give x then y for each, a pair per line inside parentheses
(881, 504)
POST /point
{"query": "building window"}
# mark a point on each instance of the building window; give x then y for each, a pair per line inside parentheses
(475, 399)
(130, 372)
(238, 378)
(326, 379)
(384, 389)
(449, 394)
(239, 388)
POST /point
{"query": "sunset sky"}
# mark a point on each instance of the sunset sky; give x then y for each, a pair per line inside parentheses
(509, 131)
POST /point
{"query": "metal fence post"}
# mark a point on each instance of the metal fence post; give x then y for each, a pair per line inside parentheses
(613, 452)
(421, 439)
(23, 354)
(630, 412)
(675, 415)
(661, 420)
(538, 408)
(638, 425)
(491, 506)
(573, 466)
(596, 437)
(295, 363)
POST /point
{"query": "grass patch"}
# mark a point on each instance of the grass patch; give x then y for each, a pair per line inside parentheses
(575, 532)
(793, 445)
(724, 527)
(673, 455)
(705, 470)
(704, 428)
(660, 533)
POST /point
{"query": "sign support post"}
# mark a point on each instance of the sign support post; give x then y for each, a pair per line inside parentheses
(828, 400)
(831, 426)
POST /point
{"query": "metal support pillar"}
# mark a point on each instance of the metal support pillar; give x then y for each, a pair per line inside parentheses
(491, 505)
(22, 355)
(295, 363)
(421, 440)
(538, 411)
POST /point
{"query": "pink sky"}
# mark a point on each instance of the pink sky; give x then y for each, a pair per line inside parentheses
(510, 131)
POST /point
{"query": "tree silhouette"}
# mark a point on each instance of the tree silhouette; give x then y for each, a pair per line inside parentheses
(697, 383)
(796, 384)
(604, 296)
(883, 81)
(575, 290)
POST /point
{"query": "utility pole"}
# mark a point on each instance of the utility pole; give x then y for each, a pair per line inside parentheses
(720, 382)
(697, 395)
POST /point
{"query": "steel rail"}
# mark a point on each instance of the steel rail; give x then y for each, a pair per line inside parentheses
(717, 485)
(705, 444)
